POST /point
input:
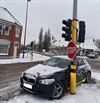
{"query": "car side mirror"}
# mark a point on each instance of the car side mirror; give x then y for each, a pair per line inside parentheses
(44, 62)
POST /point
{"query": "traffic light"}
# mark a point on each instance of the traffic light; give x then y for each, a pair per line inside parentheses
(82, 26)
(67, 29)
(31, 45)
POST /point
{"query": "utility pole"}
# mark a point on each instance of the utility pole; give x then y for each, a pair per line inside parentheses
(74, 36)
(70, 34)
(25, 25)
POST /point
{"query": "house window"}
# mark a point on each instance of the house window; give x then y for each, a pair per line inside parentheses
(18, 32)
(1, 29)
(7, 29)
(3, 49)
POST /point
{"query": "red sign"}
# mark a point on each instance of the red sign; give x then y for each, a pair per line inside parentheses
(71, 50)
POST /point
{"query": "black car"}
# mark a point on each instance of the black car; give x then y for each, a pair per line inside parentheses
(52, 78)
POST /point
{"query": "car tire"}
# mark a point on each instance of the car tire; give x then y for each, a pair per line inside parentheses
(88, 77)
(58, 90)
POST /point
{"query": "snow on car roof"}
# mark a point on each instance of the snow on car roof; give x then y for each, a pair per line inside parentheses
(6, 15)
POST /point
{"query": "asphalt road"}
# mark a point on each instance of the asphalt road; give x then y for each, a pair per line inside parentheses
(10, 73)
(95, 64)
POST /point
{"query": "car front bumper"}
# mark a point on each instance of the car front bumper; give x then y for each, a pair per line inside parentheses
(41, 89)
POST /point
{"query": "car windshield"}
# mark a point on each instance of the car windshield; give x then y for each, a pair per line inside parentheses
(58, 62)
(92, 53)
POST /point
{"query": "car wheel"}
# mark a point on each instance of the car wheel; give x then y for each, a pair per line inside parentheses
(88, 77)
(58, 90)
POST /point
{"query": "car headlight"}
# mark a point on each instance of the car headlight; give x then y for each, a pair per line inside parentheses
(47, 81)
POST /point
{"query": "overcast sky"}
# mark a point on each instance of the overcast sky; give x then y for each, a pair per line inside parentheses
(50, 13)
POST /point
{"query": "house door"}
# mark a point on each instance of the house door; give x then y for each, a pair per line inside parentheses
(15, 51)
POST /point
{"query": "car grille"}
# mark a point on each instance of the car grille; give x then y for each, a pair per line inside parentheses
(30, 80)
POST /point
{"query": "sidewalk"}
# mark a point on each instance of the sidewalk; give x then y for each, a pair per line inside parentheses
(36, 57)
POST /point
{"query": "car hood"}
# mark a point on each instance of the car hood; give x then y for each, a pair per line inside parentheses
(42, 70)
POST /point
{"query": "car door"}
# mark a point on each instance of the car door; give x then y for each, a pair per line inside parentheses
(80, 70)
(76, 62)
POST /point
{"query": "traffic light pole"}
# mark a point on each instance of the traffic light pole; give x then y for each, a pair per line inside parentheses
(74, 36)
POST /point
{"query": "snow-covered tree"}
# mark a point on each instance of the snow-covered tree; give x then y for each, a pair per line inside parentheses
(97, 42)
(40, 45)
(45, 44)
(47, 41)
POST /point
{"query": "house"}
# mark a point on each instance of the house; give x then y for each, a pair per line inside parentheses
(88, 46)
(83, 49)
(10, 35)
(59, 47)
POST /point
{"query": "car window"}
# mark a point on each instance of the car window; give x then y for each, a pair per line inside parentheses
(64, 63)
(59, 62)
(76, 62)
(81, 62)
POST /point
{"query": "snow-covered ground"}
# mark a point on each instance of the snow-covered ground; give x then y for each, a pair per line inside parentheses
(96, 76)
(86, 93)
(36, 57)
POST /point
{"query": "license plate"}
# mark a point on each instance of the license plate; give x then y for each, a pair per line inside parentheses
(27, 85)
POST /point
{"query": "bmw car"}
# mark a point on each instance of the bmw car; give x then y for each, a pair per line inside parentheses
(52, 78)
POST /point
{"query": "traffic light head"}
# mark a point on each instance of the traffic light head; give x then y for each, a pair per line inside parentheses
(67, 37)
(67, 23)
(82, 27)
(67, 29)
(31, 45)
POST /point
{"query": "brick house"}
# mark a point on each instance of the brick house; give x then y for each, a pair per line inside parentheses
(10, 35)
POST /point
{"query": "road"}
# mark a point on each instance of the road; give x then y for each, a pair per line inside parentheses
(10, 76)
(95, 64)
(10, 73)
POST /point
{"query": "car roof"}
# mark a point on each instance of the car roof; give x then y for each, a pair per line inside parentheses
(66, 57)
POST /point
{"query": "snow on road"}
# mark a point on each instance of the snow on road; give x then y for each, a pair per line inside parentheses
(96, 75)
(36, 57)
(86, 93)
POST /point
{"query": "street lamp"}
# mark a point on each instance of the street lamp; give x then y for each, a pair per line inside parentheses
(25, 25)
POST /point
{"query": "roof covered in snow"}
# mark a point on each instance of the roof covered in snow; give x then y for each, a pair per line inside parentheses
(60, 43)
(89, 44)
(6, 15)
